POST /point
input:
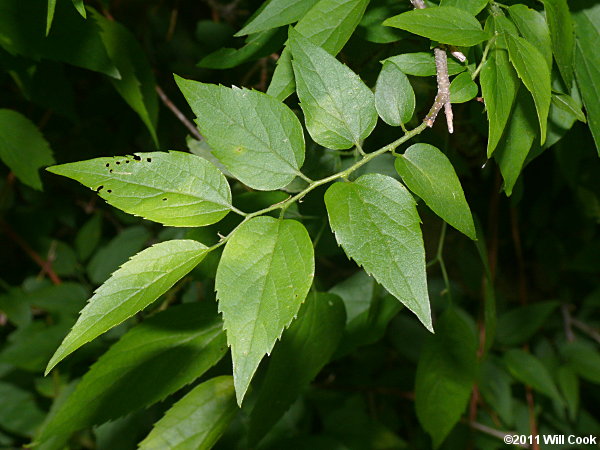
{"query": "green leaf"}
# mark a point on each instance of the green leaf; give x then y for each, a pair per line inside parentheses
(569, 387)
(472, 6)
(151, 361)
(375, 220)
(429, 174)
(394, 95)
(260, 44)
(175, 188)
(50, 15)
(518, 325)
(529, 370)
(258, 138)
(499, 86)
(80, 7)
(517, 140)
(276, 13)
(198, 420)
(88, 237)
(116, 252)
(532, 26)
(534, 73)
(568, 104)
(422, 64)
(494, 385)
(23, 148)
(563, 39)
(329, 24)
(587, 69)
(138, 283)
(264, 275)
(137, 84)
(584, 359)
(462, 88)
(19, 413)
(445, 375)
(339, 109)
(304, 349)
(445, 24)
(74, 40)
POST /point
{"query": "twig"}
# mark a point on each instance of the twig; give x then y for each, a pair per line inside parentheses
(443, 96)
(568, 321)
(533, 428)
(184, 120)
(586, 329)
(491, 431)
(45, 265)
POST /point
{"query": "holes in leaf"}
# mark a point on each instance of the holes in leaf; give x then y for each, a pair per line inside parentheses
(164, 199)
(110, 171)
(109, 190)
(118, 162)
(149, 159)
(127, 161)
(137, 158)
(107, 164)
(99, 188)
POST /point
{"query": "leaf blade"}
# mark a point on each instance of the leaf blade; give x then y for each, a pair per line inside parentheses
(430, 174)
(339, 108)
(277, 13)
(258, 138)
(358, 213)
(196, 192)
(266, 270)
(176, 346)
(394, 95)
(197, 420)
(445, 24)
(18, 133)
(533, 71)
(170, 259)
(562, 35)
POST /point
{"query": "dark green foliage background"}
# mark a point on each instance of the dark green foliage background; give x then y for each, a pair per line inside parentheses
(541, 246)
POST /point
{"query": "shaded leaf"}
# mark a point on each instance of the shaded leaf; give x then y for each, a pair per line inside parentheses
(276, 13)
(80, 7)
(445, 24)
(23, 148)
(517, 140)
(50, 15)
(19, 413)
(518, 325)
(136, 84)
(587, 69)
(339, 109)
(584, 359)
(445, 375)
(197, 420)
(472, 6)
(264, 275)
(258, 138)
(304, 349)
(533, 71)
(529, 370)
(74, 40)
(394, 95)
(568, 384)
(154, 359)
(499, 86)
(376, 222)
(422, 64)
(463, 88)
(257, 45)
(568, 104)
(175, 188)
(563, 39)
(116, 252)
(430, 174)
(329, 24)
(532, 26)
(137, 284)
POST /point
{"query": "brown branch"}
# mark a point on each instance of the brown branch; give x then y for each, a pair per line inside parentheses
(442, 99)
(184, 120)
(46, 266)
(533, 429)
(591, 332)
